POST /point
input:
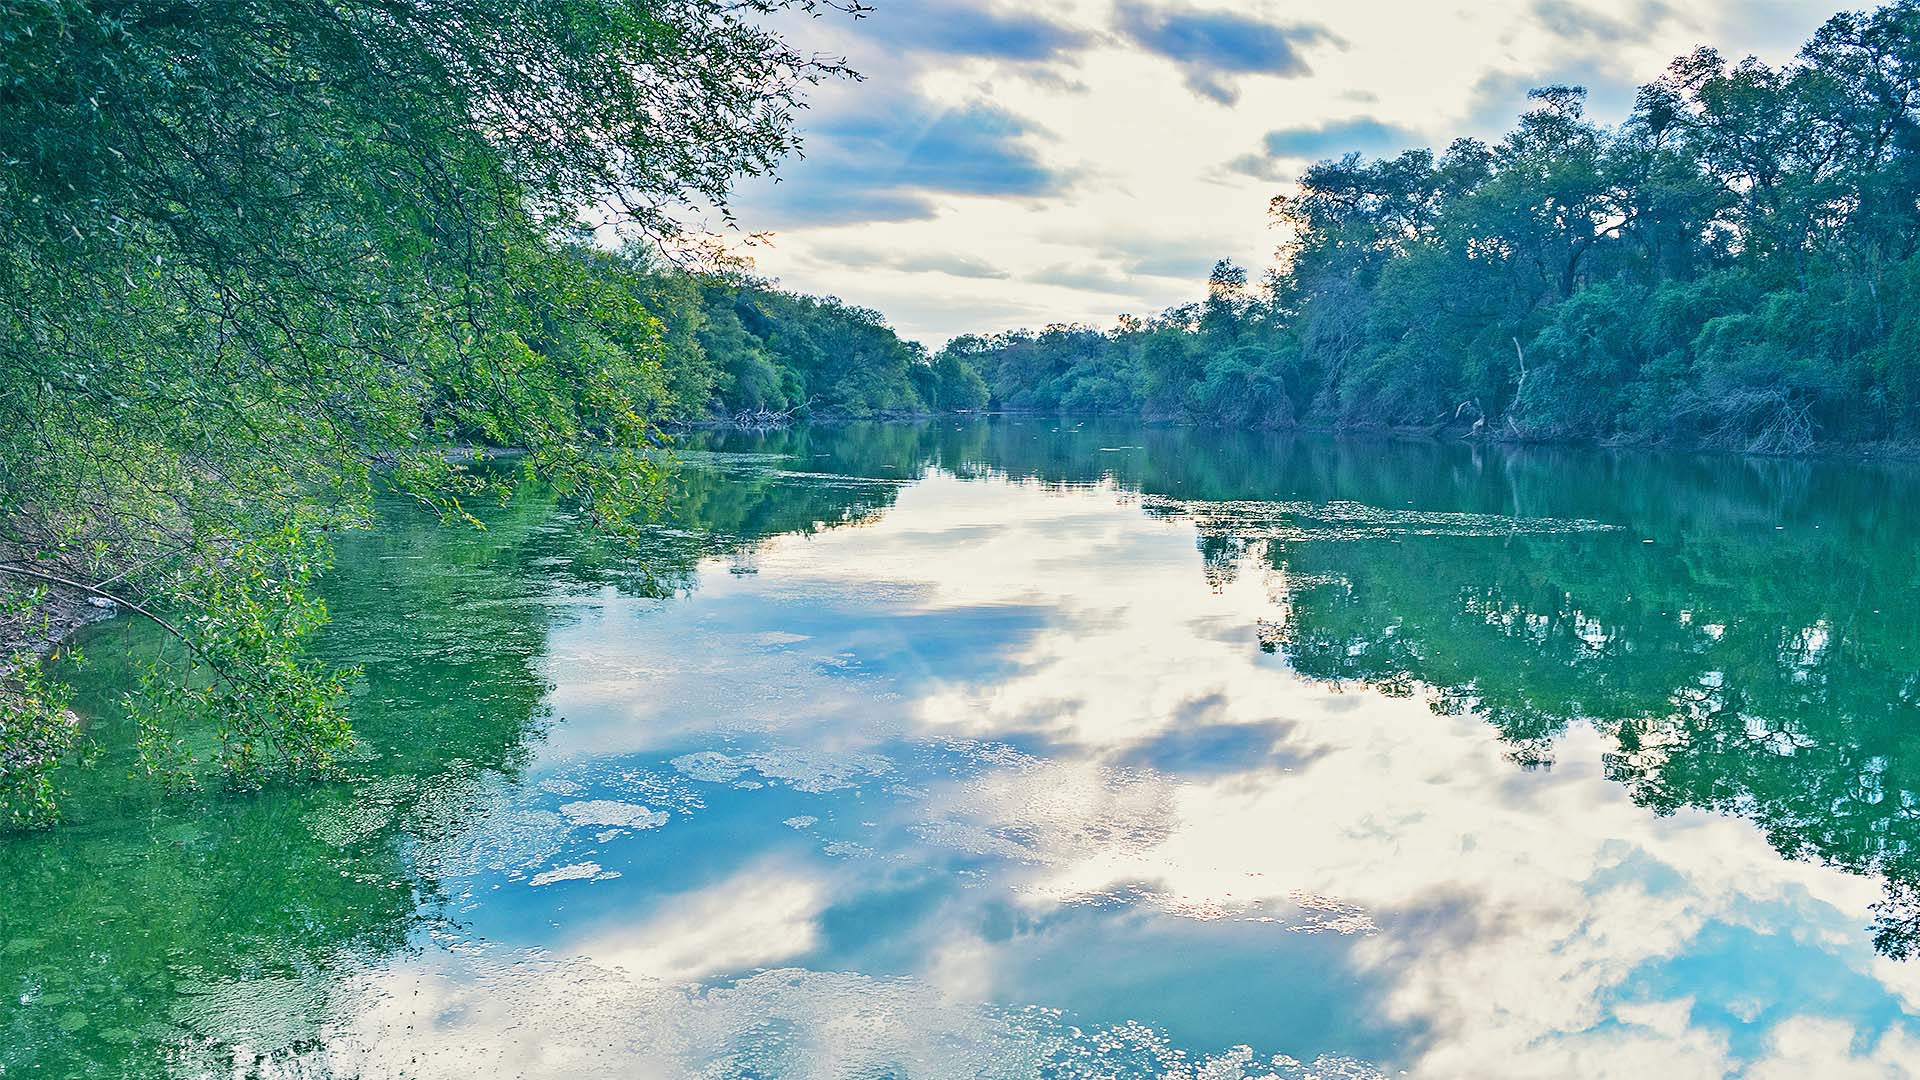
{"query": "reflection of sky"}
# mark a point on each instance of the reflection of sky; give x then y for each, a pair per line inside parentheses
(932, 787)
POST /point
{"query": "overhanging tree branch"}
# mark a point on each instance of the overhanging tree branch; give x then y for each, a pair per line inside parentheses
(91, 590)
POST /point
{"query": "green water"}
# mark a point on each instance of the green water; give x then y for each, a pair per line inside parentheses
(1030, 748)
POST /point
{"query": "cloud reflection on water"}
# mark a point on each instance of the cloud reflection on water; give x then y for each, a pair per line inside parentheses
(1051, 767)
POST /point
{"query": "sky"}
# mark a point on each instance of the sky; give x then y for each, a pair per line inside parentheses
(1008, 165)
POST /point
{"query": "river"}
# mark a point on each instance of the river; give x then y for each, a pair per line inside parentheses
(1039, 748)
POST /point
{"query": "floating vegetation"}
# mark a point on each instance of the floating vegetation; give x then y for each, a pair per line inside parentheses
(609, 812)
(586, 871)
(802, 769)
(1248, 519)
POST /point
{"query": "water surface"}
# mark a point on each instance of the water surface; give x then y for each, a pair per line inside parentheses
(1031, 748)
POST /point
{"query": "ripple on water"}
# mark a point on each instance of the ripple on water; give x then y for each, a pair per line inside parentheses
(1049, 812)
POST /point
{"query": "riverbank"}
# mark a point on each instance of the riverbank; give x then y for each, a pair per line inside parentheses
(38, 629)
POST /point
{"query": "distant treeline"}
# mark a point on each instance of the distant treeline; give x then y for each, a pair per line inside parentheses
(1733, 266)
(737, 344)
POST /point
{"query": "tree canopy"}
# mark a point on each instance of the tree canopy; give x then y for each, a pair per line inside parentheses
(1733, 266)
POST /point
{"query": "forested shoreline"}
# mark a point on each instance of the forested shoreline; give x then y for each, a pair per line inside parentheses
(1732, 267)
(737, 344)
(263, 262)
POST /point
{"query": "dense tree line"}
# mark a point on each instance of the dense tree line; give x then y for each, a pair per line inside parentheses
(1732, 266)
(739, 344)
